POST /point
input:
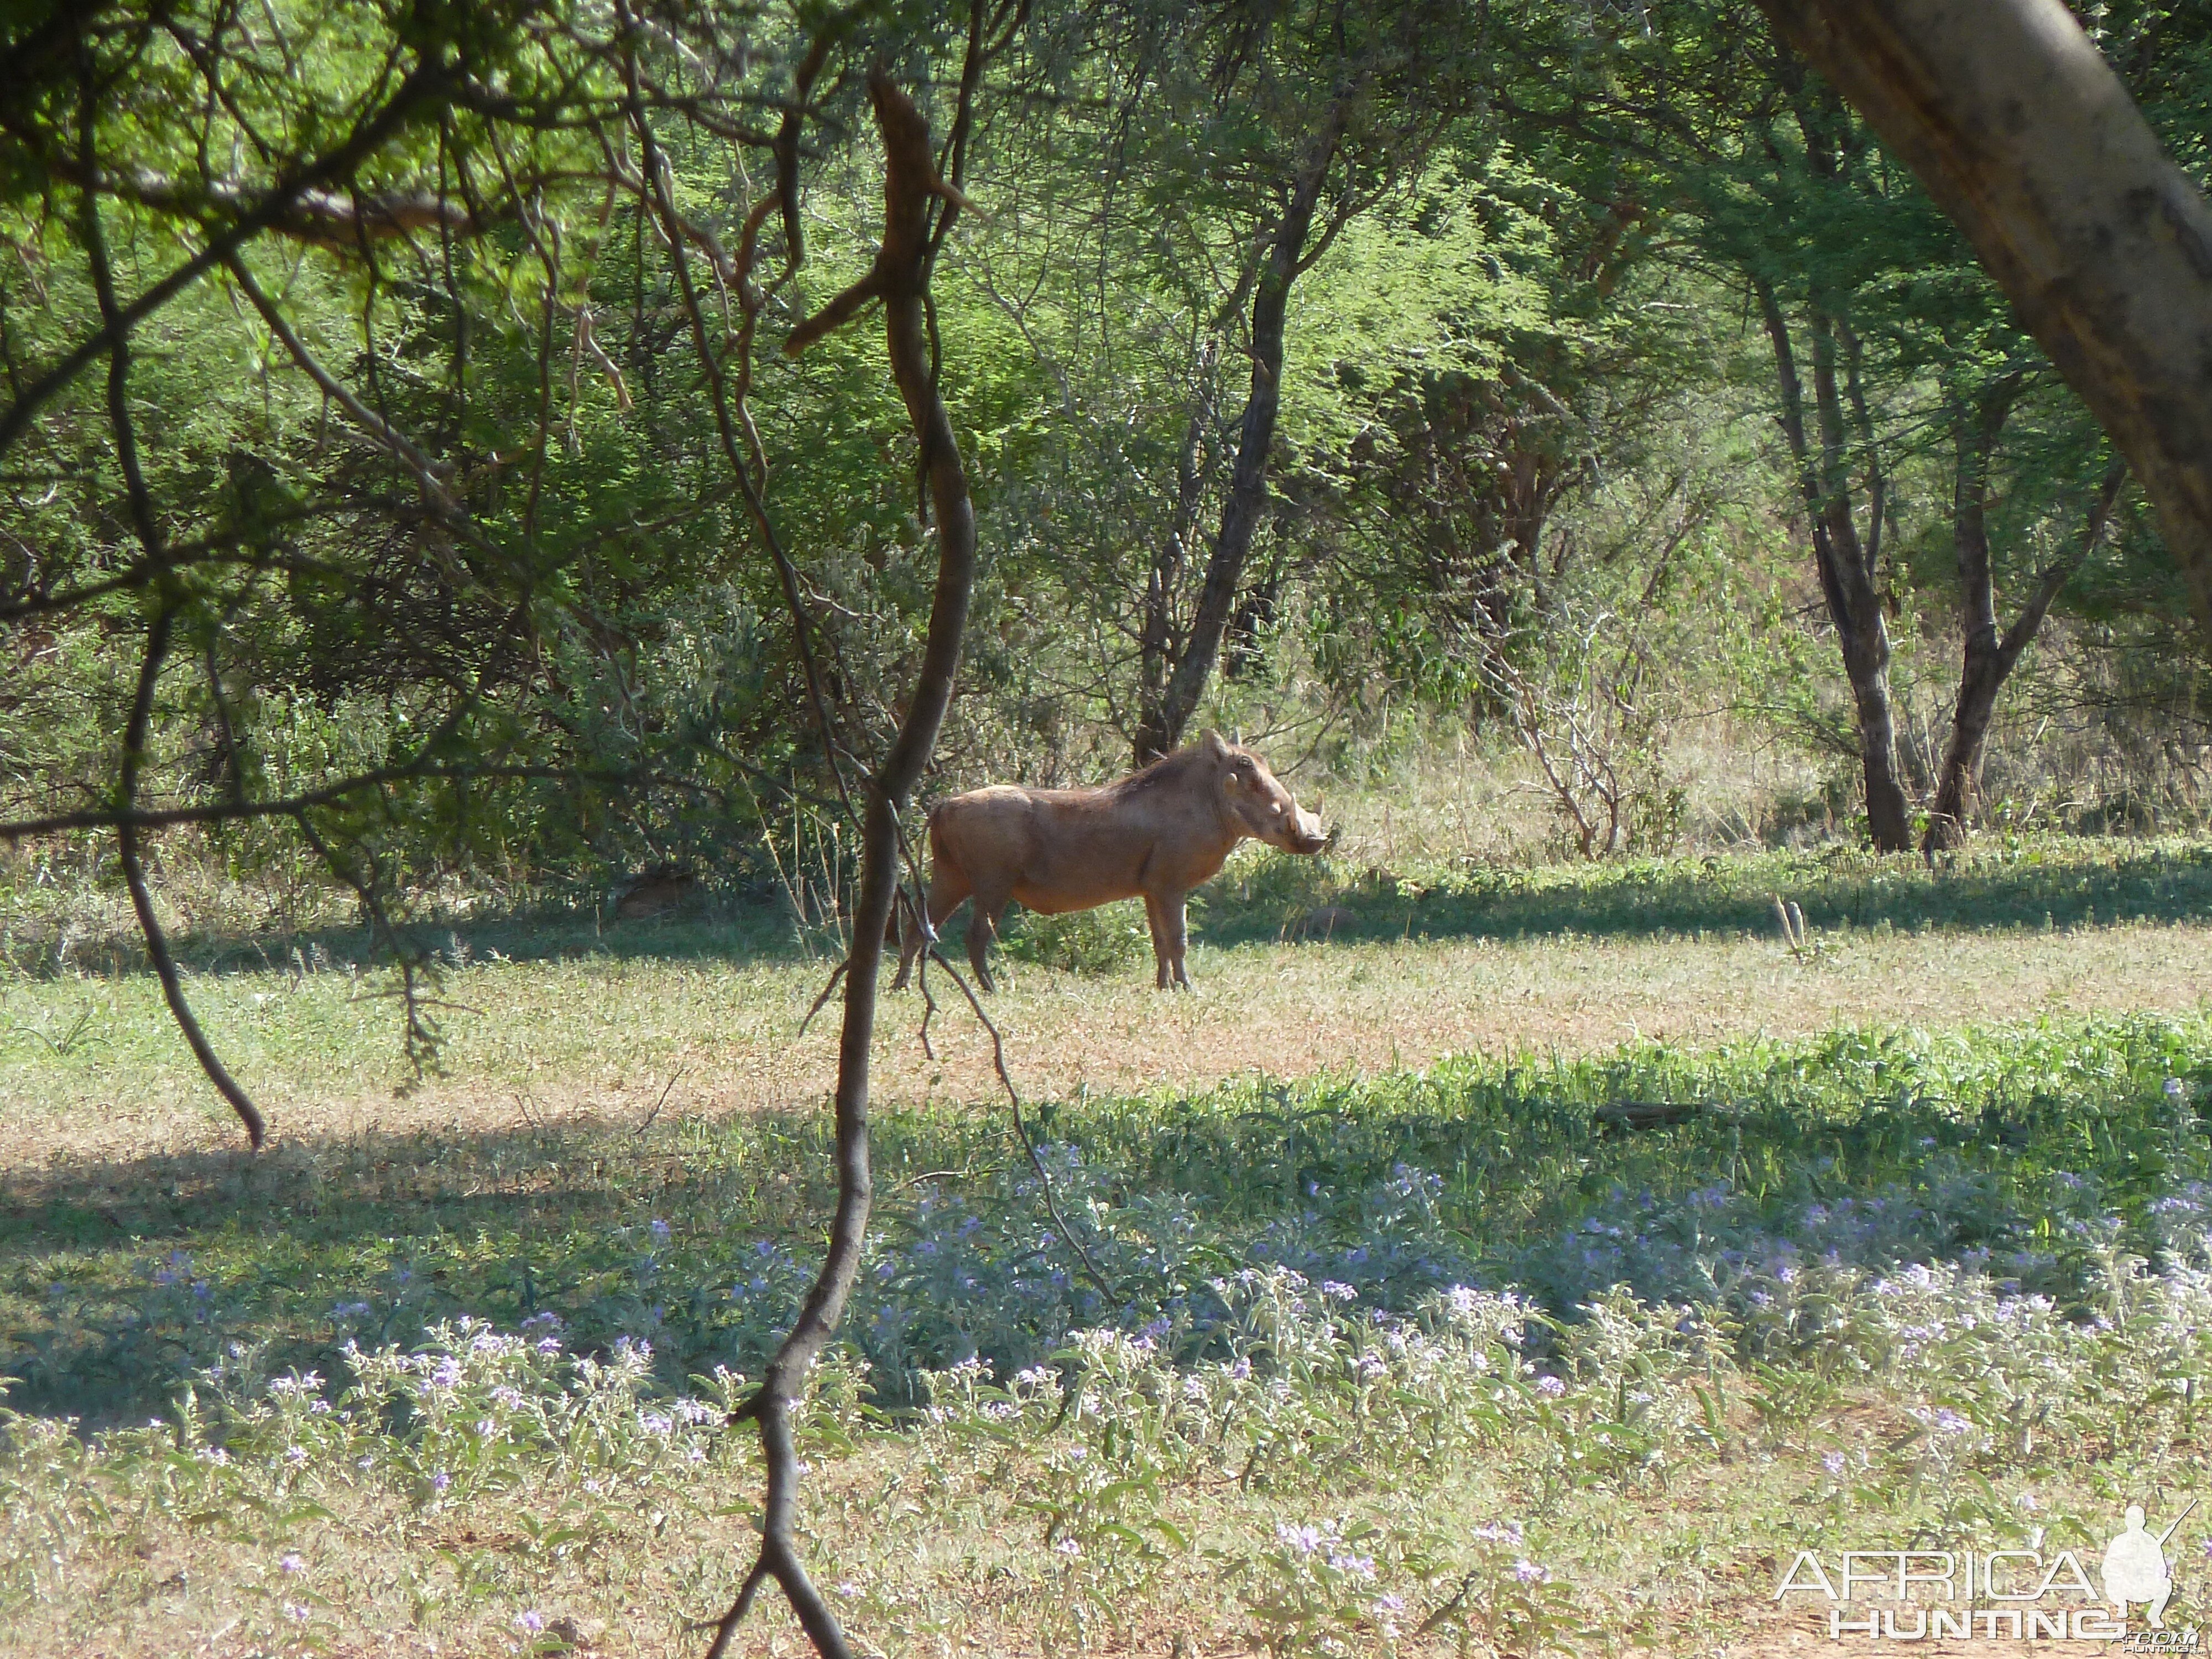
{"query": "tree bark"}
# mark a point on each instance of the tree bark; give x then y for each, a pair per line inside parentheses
(2020, 130)
(1990, 657)
(1976, 426)
(1844, 562)
(1158, 642)
(1160, 725)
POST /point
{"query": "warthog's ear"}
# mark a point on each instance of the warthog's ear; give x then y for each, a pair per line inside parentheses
(1211, 743)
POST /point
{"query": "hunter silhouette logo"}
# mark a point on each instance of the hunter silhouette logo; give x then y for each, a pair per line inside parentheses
(2135, 1568)
(2007, 1594)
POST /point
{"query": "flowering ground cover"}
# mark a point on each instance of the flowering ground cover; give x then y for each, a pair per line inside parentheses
(1439, 1361)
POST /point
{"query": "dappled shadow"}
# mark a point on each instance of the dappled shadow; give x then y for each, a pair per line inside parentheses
(1837, 890)
(1838, 887)
(120, 1278)
(734, 932)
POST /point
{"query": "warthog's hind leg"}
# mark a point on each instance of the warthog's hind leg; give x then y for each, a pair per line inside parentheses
(948, 890)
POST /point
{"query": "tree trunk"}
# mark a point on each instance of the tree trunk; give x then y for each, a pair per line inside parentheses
(2021, 131)
(1158, 643)
(1160, 727)
(1844, 562)
(1976, 427)
(1958, 794)
(1989, 656)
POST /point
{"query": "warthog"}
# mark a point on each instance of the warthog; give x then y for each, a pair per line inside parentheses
(1156, 834)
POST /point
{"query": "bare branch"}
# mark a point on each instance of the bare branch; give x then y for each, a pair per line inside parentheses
(433, 474)
(1022, 1130)
(135, 734)
(142, 897)
(324, 218)
(420, 770)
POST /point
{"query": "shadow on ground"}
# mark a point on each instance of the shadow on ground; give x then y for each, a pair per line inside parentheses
(119, 1279)
(1268, 896)
(2080, 887)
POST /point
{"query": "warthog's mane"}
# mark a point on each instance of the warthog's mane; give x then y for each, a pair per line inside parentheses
(1168, 770)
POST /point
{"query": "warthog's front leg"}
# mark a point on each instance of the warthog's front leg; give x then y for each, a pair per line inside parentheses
(948, 889)
(982, 929)
(1174, 930)
(1157, 922)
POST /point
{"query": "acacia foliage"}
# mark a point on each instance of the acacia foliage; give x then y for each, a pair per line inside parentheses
(428, 452)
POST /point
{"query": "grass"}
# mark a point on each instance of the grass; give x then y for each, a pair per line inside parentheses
(2014, 882)
(700, 1015)
(1928, 1262)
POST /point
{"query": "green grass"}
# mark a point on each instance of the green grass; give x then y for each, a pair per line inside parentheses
(1652, 1447)
(101, 1319)
(1882, 1282)
(2013, 882)
(557, 1015)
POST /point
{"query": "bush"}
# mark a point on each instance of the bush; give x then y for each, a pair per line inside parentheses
(1110, 939)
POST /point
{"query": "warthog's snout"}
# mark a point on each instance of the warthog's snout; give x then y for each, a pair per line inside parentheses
(1307, 835)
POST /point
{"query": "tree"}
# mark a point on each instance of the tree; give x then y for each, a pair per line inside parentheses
(2103, 244)
(1978, 413)
(1770, 186)
(152, 154)
(918, 206)
(1316, 113)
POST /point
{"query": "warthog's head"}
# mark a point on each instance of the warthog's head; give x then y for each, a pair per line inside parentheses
(1255, 801)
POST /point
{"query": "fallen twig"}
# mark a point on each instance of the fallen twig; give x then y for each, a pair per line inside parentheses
(658, 1104)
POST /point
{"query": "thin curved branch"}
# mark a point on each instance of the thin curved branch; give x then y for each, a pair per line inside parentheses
(433, 474)
(321, 218)
(135, 730)
(142, 896)
(1021, 1131)
(421, 770)
(221, 547)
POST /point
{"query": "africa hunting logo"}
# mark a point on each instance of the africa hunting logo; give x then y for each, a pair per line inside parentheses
(2001, 1594)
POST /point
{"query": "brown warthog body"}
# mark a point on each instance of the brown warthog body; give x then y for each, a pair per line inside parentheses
(1155, 835)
